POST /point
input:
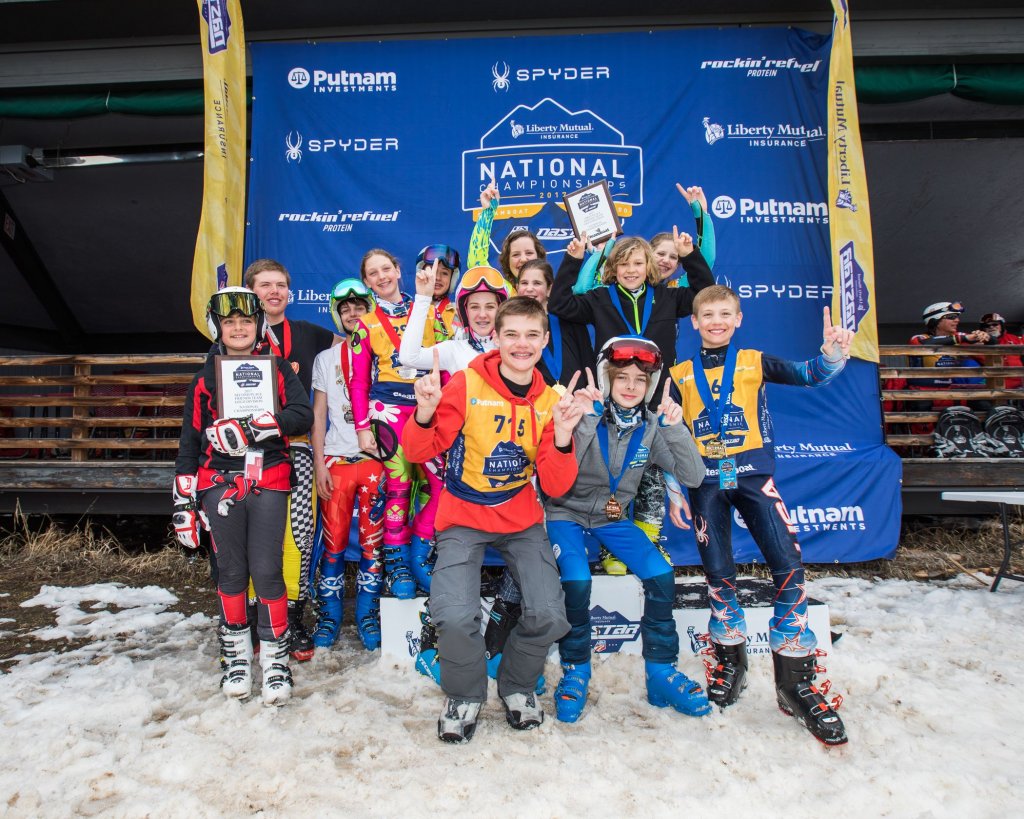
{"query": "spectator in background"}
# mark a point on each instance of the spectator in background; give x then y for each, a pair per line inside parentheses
(942, 323)
(995, 326)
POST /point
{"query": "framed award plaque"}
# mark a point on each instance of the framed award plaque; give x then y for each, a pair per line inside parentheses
(592, 211)
(246, 385)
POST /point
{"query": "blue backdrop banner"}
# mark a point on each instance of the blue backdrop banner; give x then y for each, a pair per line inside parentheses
(388, 144)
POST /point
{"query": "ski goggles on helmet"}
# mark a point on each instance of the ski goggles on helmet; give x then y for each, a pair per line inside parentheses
(481, 280)
(621, 352)
(346, 290)
(237, 300)
(448, 256)
(941, 310)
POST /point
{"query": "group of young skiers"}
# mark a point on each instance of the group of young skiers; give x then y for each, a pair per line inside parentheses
(543, 416)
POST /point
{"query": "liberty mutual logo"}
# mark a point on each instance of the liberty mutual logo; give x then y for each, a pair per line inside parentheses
(712, 131)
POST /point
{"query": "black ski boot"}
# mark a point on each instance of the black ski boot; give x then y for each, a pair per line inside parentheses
(727, 675)
(300, 644)
(798, 697)
(500, 622)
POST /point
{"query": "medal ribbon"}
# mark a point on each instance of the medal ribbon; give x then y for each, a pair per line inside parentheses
(716, 419)
(631, 450)
(285, 349)
(345, 366)
(388, 327)
(553, 357)
(648, 306)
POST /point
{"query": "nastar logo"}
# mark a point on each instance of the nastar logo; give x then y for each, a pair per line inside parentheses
(218, 24)
(855, 299)
(343, 81)
(778, 135)
(762, 66)
(247, 376)
(483, 402)
(502, 75)
(555, 234)
(770, 211)
(344, 143)
(611, 630)
(821, 518)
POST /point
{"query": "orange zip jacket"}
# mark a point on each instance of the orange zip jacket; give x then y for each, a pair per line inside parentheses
(494, 442)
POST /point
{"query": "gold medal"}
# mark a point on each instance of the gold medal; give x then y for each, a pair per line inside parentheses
(613, 509)
(715, 449)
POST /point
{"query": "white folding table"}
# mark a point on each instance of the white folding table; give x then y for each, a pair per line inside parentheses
(1002, 500)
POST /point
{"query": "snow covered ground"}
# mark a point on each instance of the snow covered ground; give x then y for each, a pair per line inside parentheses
(133, 724)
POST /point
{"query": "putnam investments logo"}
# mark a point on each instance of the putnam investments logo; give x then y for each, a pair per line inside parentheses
(770, 211)
(342, 81)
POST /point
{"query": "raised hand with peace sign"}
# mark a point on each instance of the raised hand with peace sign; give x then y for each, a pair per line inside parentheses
(590, 398)
(567, 414)
(428, 392)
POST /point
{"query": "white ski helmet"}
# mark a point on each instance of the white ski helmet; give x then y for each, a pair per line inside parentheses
(941, 309)
(230, 300)
(621, 351)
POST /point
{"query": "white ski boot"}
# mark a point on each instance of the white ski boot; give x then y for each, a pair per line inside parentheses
(236, 660)
(277, 676)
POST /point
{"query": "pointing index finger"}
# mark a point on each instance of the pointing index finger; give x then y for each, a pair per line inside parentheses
(668, 386)
(436, 371)
(572, 383)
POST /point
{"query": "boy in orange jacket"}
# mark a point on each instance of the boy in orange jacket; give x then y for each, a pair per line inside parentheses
(499, 422)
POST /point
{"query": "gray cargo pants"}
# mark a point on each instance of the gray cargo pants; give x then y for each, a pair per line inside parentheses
(455, 610)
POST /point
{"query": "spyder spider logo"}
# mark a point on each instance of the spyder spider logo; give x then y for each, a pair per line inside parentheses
(294, 147)
(501, 82)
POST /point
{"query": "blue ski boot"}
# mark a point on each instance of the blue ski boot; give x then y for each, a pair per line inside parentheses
(367, 609)
(667, 685)
(420, 562)
(398, 579)
(330, 592)
(571, 692)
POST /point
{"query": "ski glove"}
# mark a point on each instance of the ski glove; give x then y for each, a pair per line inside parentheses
(231, 436)
(187, 515)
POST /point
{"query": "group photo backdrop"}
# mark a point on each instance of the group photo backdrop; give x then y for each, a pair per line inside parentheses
(389, 144)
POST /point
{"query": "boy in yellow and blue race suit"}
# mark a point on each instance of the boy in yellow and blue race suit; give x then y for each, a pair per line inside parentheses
(723, 397)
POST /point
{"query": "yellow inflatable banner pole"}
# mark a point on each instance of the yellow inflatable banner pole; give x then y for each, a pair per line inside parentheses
(853, 266)
(219, 245)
